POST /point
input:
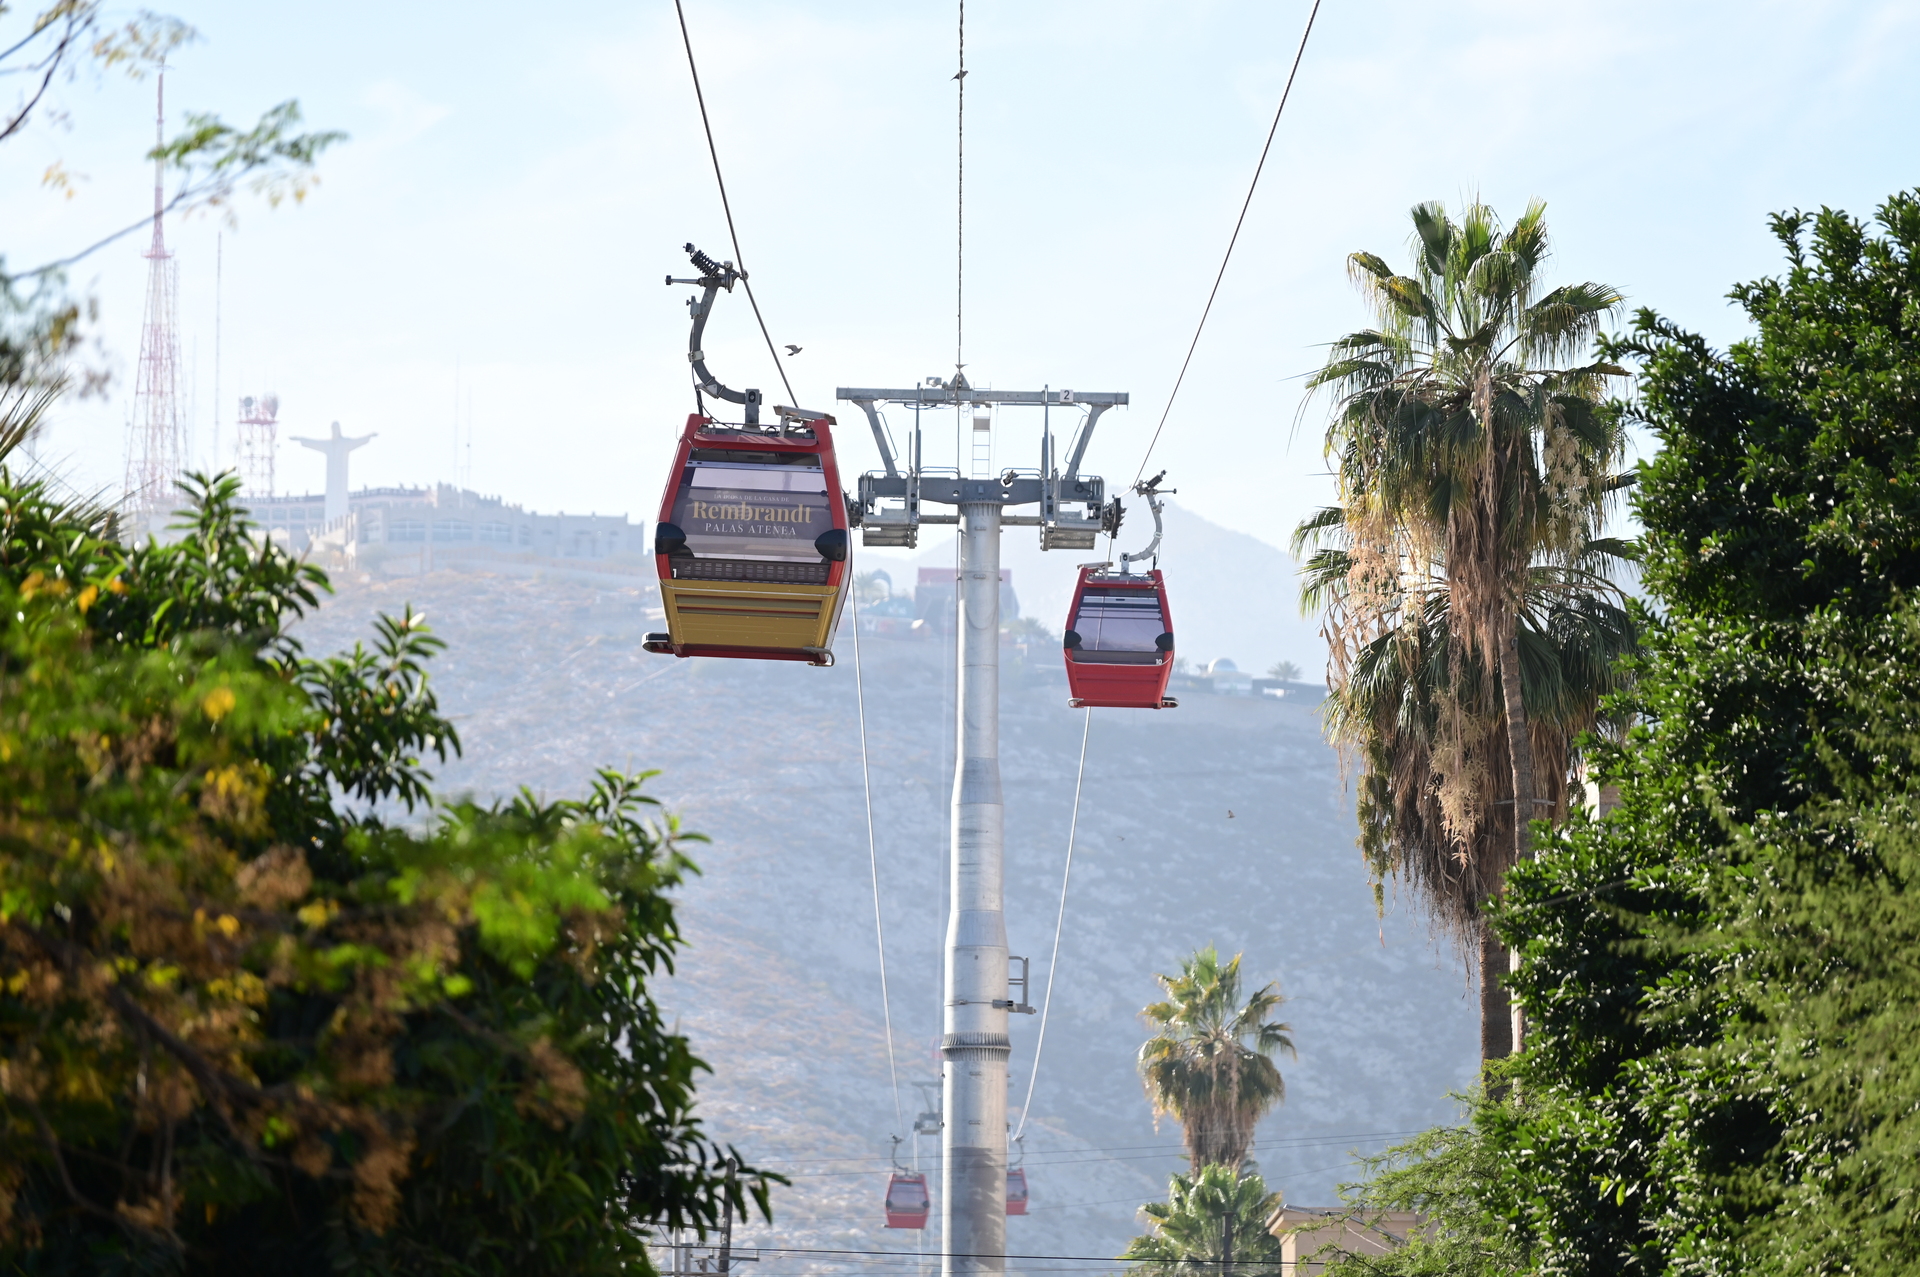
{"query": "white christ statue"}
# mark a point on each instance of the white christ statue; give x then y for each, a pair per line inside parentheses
(336, 447)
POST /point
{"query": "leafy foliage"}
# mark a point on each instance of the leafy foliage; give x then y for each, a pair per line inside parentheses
(1443, 1175)
(247, 1023)
(1213, 1220)
(1210, 1063)
(1470, 614)
(1720, 973)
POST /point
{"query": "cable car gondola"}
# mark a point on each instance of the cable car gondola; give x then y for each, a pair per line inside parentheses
(751, 543)
(1016, 1191)
(1119, 638)
(907, 1202)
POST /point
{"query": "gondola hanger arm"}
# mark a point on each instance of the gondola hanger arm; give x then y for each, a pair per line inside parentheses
(713, 277)
(1151, 490)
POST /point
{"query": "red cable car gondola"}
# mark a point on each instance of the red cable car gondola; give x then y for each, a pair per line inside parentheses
(1119, 637)
(907, 1202)
(751, 542)
(1016, 1191)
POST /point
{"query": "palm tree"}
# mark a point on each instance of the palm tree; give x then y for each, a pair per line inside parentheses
(1397, 690)
(1474, 458)
(1210, 1064)
(1212, 1220)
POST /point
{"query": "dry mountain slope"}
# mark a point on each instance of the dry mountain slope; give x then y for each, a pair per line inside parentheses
(779, 985)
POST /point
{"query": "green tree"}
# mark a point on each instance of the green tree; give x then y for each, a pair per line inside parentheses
(1213, 1221)
(1209, 1064)
(1285, 671)
(1720, 973)
(1444, 1176)
(1472, 450)
(249, 1023)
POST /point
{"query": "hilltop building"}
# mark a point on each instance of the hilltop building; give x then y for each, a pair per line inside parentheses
(400, 531)
(408, 529)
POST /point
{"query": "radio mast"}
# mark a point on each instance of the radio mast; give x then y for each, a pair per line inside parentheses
(156, 448)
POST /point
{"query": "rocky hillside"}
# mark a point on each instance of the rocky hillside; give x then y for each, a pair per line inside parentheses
(1222, 822)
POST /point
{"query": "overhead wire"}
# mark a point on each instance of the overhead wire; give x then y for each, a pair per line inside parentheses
(959, 205)
(1231, 241)
(1059, 924)
(739, 258)
(873, 854)
(879, 1162)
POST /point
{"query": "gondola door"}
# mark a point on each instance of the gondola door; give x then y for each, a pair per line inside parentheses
(1119, 640)
(752, 543)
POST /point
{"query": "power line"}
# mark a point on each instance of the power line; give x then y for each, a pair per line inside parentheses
(1288, 1141)
(1234, 239)
(738, 257)
(877, 1163)
(959, 209)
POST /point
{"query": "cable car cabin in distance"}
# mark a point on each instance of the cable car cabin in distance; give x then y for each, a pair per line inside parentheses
(907, 1202)
(1016, 1191)
(752, 542)
(1119, 640)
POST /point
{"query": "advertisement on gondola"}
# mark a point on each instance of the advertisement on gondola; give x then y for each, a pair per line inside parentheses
(752, 512)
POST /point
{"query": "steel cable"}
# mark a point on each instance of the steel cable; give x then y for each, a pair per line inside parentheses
(739, 259)
(1059, 922)
(1233, 240)
(873, 855)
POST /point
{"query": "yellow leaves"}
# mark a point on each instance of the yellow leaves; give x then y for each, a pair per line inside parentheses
(36, 983)
(226, 924)
(236, 794)
(87, 596)
(242, 987)
(318, 914)
(218, 703)
(40, 583)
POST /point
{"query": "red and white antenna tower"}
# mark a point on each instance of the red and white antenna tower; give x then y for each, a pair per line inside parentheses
(258, 423)
(155, 447)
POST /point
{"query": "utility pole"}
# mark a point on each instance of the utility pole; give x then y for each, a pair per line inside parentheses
(975, 1045)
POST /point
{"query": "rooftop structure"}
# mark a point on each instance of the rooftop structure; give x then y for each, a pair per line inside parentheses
(410, 529)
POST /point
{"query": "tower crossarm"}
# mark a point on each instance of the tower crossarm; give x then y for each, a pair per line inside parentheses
(890, 498)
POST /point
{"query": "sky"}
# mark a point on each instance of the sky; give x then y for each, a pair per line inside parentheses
(478, 276)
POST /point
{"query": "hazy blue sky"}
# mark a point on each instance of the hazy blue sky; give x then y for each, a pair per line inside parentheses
(521, 177)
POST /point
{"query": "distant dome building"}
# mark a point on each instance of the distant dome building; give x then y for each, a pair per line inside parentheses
(1227, 678)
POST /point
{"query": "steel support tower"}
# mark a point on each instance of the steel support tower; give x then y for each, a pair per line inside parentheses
(978, 996)
(156, 450)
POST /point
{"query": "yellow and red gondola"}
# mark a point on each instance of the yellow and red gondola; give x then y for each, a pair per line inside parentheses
(751, 543)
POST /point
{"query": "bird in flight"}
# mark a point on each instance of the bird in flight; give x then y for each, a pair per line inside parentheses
(792, 349)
